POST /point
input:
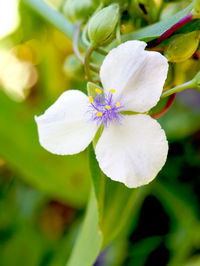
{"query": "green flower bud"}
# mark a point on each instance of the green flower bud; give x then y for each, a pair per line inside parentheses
(79, 10)
(196, 9)
(73, 68)
(182, 46)
(102, 25)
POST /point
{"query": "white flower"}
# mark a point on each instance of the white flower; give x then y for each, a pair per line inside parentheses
(132, 149)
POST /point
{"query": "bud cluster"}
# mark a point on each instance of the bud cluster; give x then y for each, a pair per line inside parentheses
(103, 21)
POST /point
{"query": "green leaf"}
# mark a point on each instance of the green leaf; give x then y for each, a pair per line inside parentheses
(153, 31)
(26, 247)
(98, 179)
(88, 244)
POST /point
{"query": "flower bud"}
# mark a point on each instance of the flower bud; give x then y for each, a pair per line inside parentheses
(79, 10)
(73, 68)
(196, 9)
(103, 24)
(182, 46)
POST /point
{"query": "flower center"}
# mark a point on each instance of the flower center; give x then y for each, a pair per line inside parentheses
(104, 109)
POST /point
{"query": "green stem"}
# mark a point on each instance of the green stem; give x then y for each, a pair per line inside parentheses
(52, 16)
(87, 61)
(188, 85)
(101, 51)
(77, 53)
(87, 43)
(84, 36)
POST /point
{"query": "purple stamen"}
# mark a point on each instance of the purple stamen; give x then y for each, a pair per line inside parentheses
(105, 110)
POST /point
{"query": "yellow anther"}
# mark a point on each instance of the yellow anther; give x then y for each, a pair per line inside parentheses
(118, 104)
(98, 91)
(108, 107)
(91, 99)
(99, 114)
(112, 90)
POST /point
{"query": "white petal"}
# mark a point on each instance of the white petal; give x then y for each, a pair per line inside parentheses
(136, 75)
(65, 128)
(134, 151)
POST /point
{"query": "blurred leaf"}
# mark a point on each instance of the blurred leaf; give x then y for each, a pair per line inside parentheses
(51, 15)
(88, 244)
(25, 248)
(153, 31)
(142, 249)
(182, 210)
(180, 122)
(56, 176)
(121, 206)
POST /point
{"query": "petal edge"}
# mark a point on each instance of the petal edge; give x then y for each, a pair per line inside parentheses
(65, 128)
(132, 153)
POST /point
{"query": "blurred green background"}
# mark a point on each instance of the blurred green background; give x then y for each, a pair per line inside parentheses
(43, 196)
